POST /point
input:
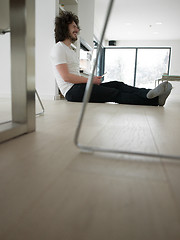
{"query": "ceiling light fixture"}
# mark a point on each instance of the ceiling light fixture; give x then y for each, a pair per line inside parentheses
(158, 23)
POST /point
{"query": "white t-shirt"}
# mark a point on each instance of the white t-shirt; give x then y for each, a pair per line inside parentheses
(61, 54)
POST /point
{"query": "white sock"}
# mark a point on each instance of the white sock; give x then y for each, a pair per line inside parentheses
(164, 96)
(159, 90)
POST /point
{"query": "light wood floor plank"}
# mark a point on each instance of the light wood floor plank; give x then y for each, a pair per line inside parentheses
(87, 206)
(49, 189)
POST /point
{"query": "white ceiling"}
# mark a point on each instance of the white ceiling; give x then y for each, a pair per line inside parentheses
(140, 19)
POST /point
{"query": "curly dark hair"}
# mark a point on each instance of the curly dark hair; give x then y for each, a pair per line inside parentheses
(61, 25)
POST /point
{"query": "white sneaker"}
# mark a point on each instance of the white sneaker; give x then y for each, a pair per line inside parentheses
(159, 90)
(164, 96)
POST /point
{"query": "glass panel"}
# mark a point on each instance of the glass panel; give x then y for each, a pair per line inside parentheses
(119, 65)
(5, 79)
(99, 67)
(151, 64)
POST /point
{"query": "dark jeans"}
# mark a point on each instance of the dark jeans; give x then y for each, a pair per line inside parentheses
(114, 91)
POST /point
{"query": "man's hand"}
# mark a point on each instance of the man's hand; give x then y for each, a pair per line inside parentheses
(97, 80)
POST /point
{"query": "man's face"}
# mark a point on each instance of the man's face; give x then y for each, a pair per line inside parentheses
(73, 32)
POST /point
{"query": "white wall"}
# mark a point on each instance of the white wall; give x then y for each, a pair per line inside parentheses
(5, 85)
(45, 83)
(45, 15)
(86, 18)
(100, 10)
(5, 69)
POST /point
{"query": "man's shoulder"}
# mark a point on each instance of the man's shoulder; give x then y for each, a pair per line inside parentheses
(58, 47)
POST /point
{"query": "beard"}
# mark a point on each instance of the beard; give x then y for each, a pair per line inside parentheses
(72, 38)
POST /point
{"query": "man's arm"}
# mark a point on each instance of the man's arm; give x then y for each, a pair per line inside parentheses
(73, 78)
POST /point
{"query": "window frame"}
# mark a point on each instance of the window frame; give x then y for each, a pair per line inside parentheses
(101, 60)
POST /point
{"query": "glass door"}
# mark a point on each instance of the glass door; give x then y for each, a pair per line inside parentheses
(134, 66)
(119, 65)
(151, 64)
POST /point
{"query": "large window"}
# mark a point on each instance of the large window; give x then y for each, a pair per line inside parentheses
(151, 64)
(119, 65)
(136, 66)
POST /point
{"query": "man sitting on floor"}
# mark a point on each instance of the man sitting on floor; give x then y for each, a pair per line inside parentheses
(72, 84)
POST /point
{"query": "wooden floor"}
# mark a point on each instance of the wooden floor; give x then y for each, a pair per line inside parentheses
(50, 190)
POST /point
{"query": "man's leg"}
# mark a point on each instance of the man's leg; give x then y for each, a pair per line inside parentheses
(142, 92)
(161, 92)
(99, 93)
(76, 93)
(104, 93)
(122, 86)
(125, 94)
